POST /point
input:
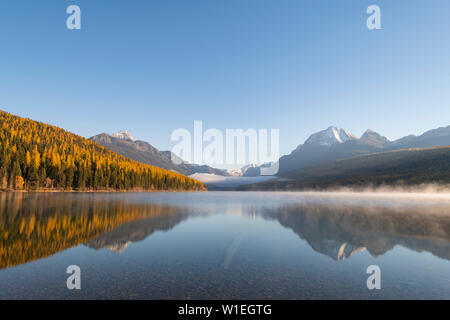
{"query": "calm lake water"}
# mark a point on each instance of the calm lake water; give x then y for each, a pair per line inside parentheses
(224, 245)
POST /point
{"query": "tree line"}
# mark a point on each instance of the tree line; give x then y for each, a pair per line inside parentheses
(35, 156)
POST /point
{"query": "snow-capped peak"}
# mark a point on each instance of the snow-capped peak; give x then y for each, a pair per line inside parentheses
(124, 135)
(369, 131)
(235, 172)
(242, 171)
(330, 136)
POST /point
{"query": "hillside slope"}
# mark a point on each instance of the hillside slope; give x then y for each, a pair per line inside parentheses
(34, 155)
(401, 167)
(146, 153)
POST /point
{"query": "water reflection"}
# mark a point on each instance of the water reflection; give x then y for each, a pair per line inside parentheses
(338, 231)
(120, 238)
(35, 226)
(341, 231)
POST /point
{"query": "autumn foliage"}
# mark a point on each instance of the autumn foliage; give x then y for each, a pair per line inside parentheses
(34, 156)
(35, 226)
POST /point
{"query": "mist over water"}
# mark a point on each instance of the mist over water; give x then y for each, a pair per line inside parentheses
(226, 245)
(435, 189)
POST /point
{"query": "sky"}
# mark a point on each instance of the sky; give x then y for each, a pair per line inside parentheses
(154, 66)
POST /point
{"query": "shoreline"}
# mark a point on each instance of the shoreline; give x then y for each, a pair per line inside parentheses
(96, 191)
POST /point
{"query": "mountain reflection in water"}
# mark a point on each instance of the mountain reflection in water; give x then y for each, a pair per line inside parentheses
(341, 231)
(35, 226)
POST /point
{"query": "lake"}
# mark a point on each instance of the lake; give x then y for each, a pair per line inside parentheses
(224, 245)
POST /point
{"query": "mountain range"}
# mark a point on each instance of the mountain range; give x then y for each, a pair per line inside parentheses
(124, 143)
(327, 158)
(334, 158)
(336, 143)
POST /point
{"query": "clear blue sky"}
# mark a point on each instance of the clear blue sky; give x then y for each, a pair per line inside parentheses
(300, 66)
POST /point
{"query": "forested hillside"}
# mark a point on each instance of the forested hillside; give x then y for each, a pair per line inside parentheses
(407, 167)
(35, 155)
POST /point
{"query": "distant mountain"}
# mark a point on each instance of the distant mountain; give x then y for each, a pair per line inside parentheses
(253, 170)
(124, 135)
(371, 138)
(433, 138)
(336, 143)
(400, 167)
(235, 172)
(124, 144)
(328, 145)
(330, 137)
